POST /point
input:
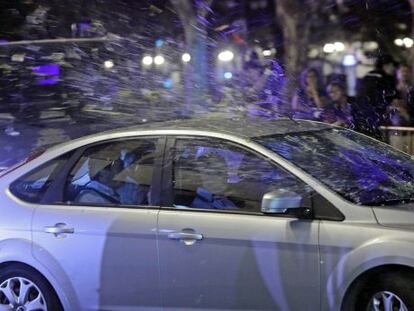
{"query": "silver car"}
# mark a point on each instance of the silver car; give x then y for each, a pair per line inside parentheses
(220, 214)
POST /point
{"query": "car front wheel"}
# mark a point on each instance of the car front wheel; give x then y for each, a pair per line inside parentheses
(24, 289)
(386, 291)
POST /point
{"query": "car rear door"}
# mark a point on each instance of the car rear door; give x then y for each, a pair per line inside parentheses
(96, 227)
(217, 250)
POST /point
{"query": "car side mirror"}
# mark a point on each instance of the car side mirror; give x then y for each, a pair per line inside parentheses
(279, 201)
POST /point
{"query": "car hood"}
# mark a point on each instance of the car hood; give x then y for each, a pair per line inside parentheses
(396, 216)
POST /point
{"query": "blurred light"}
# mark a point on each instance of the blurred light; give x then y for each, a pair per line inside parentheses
(167, 83)
(47, 70)
(399, 42)
(313, 53)
(228, 75)
(339, 46)
(186, 57)
(18, 57)
(408, 42)
(48, 74)
(329, 48)
(108, 64)
(370, 45)
(401, 26)
(349, 60)
(159, 43)
(159, 60)
(226, 56)
(57, 56)
(85, 25)
(147, 60)
(267, 52)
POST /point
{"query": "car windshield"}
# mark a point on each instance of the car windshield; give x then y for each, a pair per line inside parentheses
(355, 166)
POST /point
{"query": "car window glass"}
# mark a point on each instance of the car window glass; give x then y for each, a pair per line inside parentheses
(211, 174)
(116, 173)
(32, 186)
(358, 168)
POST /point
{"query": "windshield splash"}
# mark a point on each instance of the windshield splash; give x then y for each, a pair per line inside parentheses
(355, 166)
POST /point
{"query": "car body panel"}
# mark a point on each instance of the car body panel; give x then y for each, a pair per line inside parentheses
(349, 249)
(243, 262)
(396, 216)
(111, 258)
(16, 245)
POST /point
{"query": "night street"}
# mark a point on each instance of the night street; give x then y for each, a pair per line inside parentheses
(207, 155)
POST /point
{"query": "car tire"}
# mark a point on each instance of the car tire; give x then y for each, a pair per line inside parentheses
(37, 293)
(393, 287)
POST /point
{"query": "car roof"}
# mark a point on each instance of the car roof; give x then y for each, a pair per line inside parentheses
(238, 126)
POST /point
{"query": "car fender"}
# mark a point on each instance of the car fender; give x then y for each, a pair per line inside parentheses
(52, 270)
(20, 251)
(374, 253)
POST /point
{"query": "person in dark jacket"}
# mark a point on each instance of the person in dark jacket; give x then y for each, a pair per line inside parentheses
(347, 111)
(378, 88)
(402, 107)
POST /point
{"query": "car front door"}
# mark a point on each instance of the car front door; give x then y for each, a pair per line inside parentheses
(96, 226)
(217, 250)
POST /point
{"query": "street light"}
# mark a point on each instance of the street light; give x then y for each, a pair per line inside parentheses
(399, 42)
(228, 75)
(329, 48)
(108, 64)
(267, 52)
(186, 57)
(408, 42)
(147, 60)
(404, 42)
(339, 46)
(349, 60)
(159, 60)
(226, 56)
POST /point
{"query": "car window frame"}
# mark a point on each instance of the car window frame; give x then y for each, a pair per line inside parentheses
(54, 194)
(167, 177)
(53, 176)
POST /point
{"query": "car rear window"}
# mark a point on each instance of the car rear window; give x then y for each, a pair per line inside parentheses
(32, 186)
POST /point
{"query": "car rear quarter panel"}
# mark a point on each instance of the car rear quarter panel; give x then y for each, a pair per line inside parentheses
(16, 245)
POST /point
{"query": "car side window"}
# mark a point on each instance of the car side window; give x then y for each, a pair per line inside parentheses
(32, 186)
(115, 173)
(214, 174)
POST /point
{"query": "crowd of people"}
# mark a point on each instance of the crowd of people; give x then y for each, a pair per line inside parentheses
(385, 96)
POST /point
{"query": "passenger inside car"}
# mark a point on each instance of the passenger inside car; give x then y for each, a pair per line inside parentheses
(101, 187)
(213, 176)
(125, 180)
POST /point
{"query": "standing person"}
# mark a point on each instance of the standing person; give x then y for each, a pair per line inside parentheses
(341, 105)
(378, 88)
(310, 99)
(404, 80)
(402, 107)
(346, 110)
(262, 89)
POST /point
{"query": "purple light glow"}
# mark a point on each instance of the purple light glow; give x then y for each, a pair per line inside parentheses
(51, 73)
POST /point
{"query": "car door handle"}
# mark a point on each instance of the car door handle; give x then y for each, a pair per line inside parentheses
(188, 238)
(59, 229)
